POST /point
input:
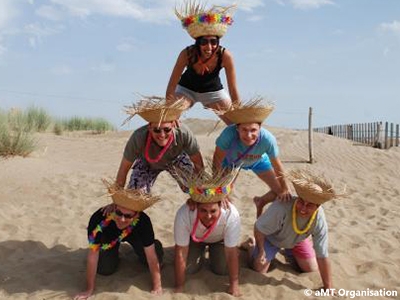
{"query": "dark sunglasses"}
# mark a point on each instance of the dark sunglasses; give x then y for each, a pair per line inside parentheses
(165, 129)
(204, 41)
(126, 216)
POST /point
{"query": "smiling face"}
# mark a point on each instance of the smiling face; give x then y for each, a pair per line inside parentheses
(124, 216)
(162, 133)
(207, 45)
(208, 212)
(248, 133)
(305, 209)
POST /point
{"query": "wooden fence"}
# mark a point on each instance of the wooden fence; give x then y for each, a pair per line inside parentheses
(378, 134)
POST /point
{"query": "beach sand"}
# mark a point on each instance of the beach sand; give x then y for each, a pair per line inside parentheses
(47, 198)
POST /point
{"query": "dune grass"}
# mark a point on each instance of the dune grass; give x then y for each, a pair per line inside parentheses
(17, 128)
(15, 134)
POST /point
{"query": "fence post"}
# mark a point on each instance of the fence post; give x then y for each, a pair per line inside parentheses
(386, 135)
(310, 135)
(391, 134)
(377, 142)
(397, 135)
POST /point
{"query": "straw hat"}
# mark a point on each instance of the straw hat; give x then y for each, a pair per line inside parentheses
(253, 111)
(199, 21)
(155, 109)
(312, 188)
(206, 187)
(135, 200)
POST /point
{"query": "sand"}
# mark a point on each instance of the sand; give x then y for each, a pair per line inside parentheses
(48, 197)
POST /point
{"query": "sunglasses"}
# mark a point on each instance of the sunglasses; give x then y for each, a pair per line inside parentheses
(126, 216)
(204, 41)
(160, 129)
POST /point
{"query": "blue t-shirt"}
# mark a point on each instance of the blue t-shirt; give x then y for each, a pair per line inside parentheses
(229, 142)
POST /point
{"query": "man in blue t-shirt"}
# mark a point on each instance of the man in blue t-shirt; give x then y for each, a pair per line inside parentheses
(252, 147)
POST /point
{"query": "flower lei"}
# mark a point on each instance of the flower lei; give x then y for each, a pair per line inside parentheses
(210, 191)
(99, 228)
(208, 231)
(294, 220)
(207, 18)
(163, 150)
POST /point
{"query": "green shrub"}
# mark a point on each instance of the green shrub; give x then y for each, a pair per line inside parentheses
(15, 142)
(38, 119)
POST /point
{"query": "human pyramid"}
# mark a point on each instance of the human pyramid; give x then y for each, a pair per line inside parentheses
(208, 221)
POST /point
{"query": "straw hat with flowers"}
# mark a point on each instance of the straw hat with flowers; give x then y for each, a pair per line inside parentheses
(312, 188)
(156, 110)
(208, 187)
(199, 21)
(135, 200)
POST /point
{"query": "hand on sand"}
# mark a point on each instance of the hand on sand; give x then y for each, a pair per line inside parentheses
(234, 291)
(157, 291)
(83, 296)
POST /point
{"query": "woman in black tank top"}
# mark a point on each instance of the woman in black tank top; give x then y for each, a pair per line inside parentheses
(195, 76)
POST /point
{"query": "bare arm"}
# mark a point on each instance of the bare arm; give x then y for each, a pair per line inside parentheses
(177, 71)
(227, 63)
(278, 168)
(91, 269)
(218, 158)
(197, 160)
(324, 267)
(181, 254)
(232, 260)
(154, 267)
(123, 170)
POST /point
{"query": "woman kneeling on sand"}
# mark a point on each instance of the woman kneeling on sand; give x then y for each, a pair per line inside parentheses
(127, 223)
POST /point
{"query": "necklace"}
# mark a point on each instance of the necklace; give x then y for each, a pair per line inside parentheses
(294, 220)
(162, 152)
(206, 234)
(99, 228)
(234, 146)
(203, 63)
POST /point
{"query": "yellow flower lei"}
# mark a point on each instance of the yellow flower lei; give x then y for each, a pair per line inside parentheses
(294, 220)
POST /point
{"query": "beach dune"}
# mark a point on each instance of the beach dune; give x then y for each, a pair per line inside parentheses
(48, 197)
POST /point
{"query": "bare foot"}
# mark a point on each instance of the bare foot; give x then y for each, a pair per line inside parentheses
(248, 244)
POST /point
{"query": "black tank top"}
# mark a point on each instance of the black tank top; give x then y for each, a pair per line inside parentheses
(209, 82)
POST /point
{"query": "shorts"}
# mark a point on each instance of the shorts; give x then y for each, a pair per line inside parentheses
(143, 177)
(302, 250)
(261, 166)
(204, 98)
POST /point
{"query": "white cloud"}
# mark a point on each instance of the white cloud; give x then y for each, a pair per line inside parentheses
(49, 12)
(391, 27)
(37, 32)
(104, 67)
(386, 52)
(3, 49)
(61, 70)
(155, 11)
(7, 12)
(310, 4)
(127, 45)
(255, 18)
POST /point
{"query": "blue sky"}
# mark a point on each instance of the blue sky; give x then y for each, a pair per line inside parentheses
(91, 57)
